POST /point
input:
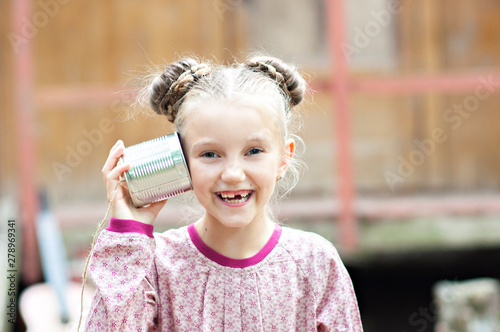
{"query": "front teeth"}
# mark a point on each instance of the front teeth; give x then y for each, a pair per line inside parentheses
(235, 201)
(229, 198)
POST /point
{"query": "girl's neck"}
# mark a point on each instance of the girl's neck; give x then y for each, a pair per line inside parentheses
(235, 242)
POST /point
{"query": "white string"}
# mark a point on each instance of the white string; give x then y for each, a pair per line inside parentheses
(99, 228)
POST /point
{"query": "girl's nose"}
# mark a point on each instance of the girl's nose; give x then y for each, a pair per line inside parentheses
(233, 173)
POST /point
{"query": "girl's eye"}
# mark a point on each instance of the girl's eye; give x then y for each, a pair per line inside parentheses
(209, 154)
(254, 151)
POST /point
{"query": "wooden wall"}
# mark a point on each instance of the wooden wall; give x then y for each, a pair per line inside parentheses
(455, 37)
(94, 45)
(101, 43)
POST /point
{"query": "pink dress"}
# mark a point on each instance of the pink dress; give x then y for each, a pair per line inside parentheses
(174, 282)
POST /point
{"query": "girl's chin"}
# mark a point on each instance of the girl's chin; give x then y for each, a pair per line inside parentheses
(235, 223)
(240, 222)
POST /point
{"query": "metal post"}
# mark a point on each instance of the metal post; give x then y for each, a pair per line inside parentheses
(341, 92)
(25, 114)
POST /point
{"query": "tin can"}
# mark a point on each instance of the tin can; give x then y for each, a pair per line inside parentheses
(158, 170)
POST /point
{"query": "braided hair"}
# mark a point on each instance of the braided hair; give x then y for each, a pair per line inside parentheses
(169, 89)
(286, 76)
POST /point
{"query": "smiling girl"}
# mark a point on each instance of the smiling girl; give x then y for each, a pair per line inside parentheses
(234, 269)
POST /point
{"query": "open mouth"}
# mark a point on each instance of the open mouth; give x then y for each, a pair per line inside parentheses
(235, 197)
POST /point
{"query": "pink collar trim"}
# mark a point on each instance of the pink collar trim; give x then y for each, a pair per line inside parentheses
(233, 262)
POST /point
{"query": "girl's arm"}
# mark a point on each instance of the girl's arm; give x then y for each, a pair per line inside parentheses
(122, 262)
(338, 308)
(122, 267)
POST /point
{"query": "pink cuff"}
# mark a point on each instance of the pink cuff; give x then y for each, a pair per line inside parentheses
(130, 226)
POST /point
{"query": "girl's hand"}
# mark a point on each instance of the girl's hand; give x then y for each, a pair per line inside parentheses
(123, 207)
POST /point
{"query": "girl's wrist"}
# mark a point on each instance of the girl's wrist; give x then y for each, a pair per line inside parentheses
(131, 217)
(130, 226)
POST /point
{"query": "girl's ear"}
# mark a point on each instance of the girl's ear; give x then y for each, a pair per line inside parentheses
(286, 156)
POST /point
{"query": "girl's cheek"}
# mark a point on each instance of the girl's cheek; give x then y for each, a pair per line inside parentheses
(203, 170)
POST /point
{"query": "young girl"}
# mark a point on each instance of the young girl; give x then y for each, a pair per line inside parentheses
(234, 269)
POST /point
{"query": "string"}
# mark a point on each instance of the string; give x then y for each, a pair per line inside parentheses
(99, 228)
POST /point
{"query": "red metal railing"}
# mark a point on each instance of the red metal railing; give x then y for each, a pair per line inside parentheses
(25, 119)
(343, 86)
(341, 89)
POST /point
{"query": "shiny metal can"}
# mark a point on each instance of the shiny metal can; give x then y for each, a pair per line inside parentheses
(158, 170)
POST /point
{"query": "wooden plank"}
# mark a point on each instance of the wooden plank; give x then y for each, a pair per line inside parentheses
(433, 102)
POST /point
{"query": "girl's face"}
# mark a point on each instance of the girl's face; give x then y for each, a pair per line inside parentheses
(234, 158)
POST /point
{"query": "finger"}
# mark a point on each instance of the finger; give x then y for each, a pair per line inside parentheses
(113, 177)
(111, 160)
(117, 186)
(114, 154)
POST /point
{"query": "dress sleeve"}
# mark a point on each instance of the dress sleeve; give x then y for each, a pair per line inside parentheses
(338, 309)
(122, 267)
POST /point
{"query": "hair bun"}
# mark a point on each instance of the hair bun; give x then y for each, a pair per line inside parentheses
(168, 89)
(287, 76)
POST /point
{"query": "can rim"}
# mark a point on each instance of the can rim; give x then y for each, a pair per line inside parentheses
(184, 162)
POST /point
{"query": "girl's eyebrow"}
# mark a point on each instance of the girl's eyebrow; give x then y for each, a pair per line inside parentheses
(260, 137)
(203, 143)
(256, 138)
(263, 142)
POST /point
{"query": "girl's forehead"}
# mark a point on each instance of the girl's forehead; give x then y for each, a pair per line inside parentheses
(231, 121)
(221, 114)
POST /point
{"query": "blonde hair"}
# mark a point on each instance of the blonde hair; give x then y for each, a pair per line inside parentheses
(264, 81)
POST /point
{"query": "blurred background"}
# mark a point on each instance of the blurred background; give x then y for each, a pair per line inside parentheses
(400, 128)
